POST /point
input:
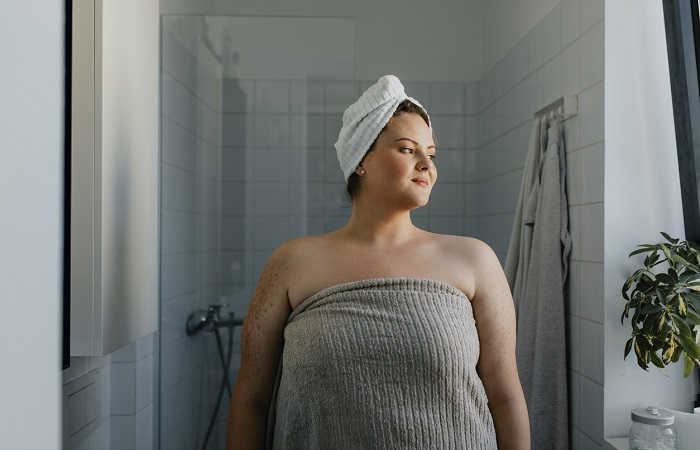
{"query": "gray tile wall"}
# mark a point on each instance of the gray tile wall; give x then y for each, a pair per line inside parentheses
(562, 56)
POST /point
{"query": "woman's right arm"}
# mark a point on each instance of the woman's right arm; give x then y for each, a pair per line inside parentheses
(261, 348)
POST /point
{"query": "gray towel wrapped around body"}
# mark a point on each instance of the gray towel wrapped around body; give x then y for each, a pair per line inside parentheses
(381, 363)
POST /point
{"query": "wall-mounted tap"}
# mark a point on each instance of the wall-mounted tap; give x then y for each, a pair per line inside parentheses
(210, 319)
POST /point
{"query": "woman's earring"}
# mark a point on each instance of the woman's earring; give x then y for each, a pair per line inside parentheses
(362, 172)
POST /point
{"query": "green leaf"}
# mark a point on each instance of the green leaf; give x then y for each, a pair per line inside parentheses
(693, 317)
(656, 360)
(688, 366)
(689, 347)
(650, 309)
(665, 279)
(682, 309)
(628, 347)
(669, 238)
(643, 248)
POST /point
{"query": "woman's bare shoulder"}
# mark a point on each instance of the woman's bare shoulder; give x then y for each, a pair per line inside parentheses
(299, 250)
(465, 247)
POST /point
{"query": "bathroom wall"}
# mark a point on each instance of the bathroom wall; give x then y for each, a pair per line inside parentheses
(642, 197)
(562, 55)
(127, 379)
(31, 186)
(415, 40)
(190, 224)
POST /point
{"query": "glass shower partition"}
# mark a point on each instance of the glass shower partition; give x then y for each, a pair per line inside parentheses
(250, 109)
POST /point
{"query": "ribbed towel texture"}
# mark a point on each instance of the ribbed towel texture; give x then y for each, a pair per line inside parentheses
(381, 363)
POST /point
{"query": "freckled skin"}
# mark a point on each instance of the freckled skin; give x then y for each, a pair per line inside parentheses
(381, 241)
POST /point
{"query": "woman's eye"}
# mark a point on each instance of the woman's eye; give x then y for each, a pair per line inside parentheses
(406, 150)
(432, 157)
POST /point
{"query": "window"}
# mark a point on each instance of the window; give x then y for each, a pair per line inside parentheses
(683, 43)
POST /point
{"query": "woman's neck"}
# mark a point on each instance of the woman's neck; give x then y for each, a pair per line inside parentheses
(379, 226)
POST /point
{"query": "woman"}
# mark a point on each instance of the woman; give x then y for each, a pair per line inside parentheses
(380, 334)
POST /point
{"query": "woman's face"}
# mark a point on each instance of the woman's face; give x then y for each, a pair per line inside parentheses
(400, 169)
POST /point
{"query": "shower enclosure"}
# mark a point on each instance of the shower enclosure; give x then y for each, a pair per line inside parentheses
(251, 108)
(249, 117)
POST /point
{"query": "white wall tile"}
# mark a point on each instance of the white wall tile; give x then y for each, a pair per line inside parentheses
(447, 200)
(98, 439)
(587, 443)
(177, 230)
(144, 382)
(144, 430)
(571, 69)
(123, 388)
(536, 47)
(552, 80)
(574, 399)
(592, 115)
(125, 354)
(177, 188)
(450, 165)
(471, 98)
(573, 352)
(177, 271)
(571, 21)
(591, 412)
(272, 130)
(535, 84)
(446, 98)
(592, 291)
(447, 225)
(271, 164)
(331, 126)
(593, 173)
(573, 289)
(122, 432)
(298, 131)
(573, 177)
(575, 439)
(271, 199)
(418, 90)
(272, 97)
(592, 227)
(591, 355)
(315, 131)
(552, 32)
(270, 232)
(575, 231)
(592, 11)
(470, 132)
(237, 130)
(177, 144)
(449, 131)
(572, 133)
(237, 96)
(592, 55)
(339, 95)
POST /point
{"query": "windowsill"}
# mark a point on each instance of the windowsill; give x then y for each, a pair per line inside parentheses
(616, 444)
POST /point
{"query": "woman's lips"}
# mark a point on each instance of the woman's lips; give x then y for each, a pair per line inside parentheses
(420, 182)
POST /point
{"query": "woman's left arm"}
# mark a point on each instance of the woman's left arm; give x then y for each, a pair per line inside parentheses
(494, 313)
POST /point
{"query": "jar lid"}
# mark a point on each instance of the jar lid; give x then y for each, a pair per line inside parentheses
(653, 416)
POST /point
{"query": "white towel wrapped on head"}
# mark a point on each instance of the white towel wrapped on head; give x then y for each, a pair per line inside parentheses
(365, 119)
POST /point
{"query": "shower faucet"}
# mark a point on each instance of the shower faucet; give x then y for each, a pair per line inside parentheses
(209, 320)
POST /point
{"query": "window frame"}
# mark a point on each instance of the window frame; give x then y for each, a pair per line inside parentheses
(682, 25)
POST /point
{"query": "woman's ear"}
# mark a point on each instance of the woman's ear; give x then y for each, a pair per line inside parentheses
(360, 171)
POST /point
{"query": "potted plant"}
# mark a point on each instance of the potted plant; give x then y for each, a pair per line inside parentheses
(664, 300)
